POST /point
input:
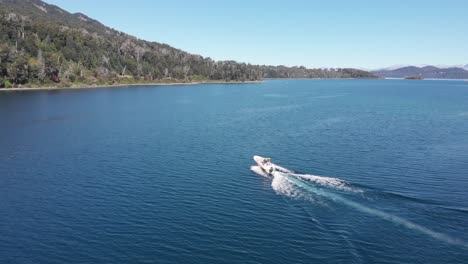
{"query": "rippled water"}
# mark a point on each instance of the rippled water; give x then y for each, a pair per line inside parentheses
(164, 174)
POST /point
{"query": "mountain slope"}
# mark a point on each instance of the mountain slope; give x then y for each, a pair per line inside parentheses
(42, 44)
(426, 72)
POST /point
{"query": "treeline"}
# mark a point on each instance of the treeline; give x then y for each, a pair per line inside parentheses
(302, 72)
(41, 44)
(42, 53)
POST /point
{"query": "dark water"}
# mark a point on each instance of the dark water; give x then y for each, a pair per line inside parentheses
(163, 174)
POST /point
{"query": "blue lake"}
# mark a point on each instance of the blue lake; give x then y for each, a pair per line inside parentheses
(164, 174)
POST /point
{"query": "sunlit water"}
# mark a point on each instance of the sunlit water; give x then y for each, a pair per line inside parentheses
(165, 174)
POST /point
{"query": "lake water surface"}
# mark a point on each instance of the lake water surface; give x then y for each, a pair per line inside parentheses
(165, 174)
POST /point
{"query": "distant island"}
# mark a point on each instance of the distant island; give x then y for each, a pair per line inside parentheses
(44, 45)
(418, 77)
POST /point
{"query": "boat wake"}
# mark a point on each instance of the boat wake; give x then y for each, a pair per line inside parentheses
(329, 182)
(306, 186)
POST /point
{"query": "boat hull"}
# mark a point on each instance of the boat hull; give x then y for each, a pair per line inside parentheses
(268, 167)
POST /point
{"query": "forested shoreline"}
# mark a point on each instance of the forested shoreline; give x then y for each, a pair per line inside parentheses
(44, 45)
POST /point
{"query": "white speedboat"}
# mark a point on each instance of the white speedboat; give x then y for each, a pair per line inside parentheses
(268, 166)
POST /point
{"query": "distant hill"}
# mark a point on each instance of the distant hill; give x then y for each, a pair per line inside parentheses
(426, 72)
(440, 66)
(42, 44)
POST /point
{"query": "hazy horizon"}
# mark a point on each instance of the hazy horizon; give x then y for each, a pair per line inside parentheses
(362, 34)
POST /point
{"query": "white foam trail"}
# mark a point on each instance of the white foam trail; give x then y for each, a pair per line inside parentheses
(284, 183)
(327, 182)
(383, 215)
(280, 183)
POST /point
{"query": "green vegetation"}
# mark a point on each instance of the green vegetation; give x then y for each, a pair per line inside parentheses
(302, 72)
(43, 45)
(6, 84)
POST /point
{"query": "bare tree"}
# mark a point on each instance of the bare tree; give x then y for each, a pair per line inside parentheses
(41, 63)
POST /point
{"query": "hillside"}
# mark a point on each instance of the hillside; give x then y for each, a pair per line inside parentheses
(44, 45)
(425, 72)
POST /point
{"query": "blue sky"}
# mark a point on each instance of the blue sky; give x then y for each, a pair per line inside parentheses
(358, 33)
